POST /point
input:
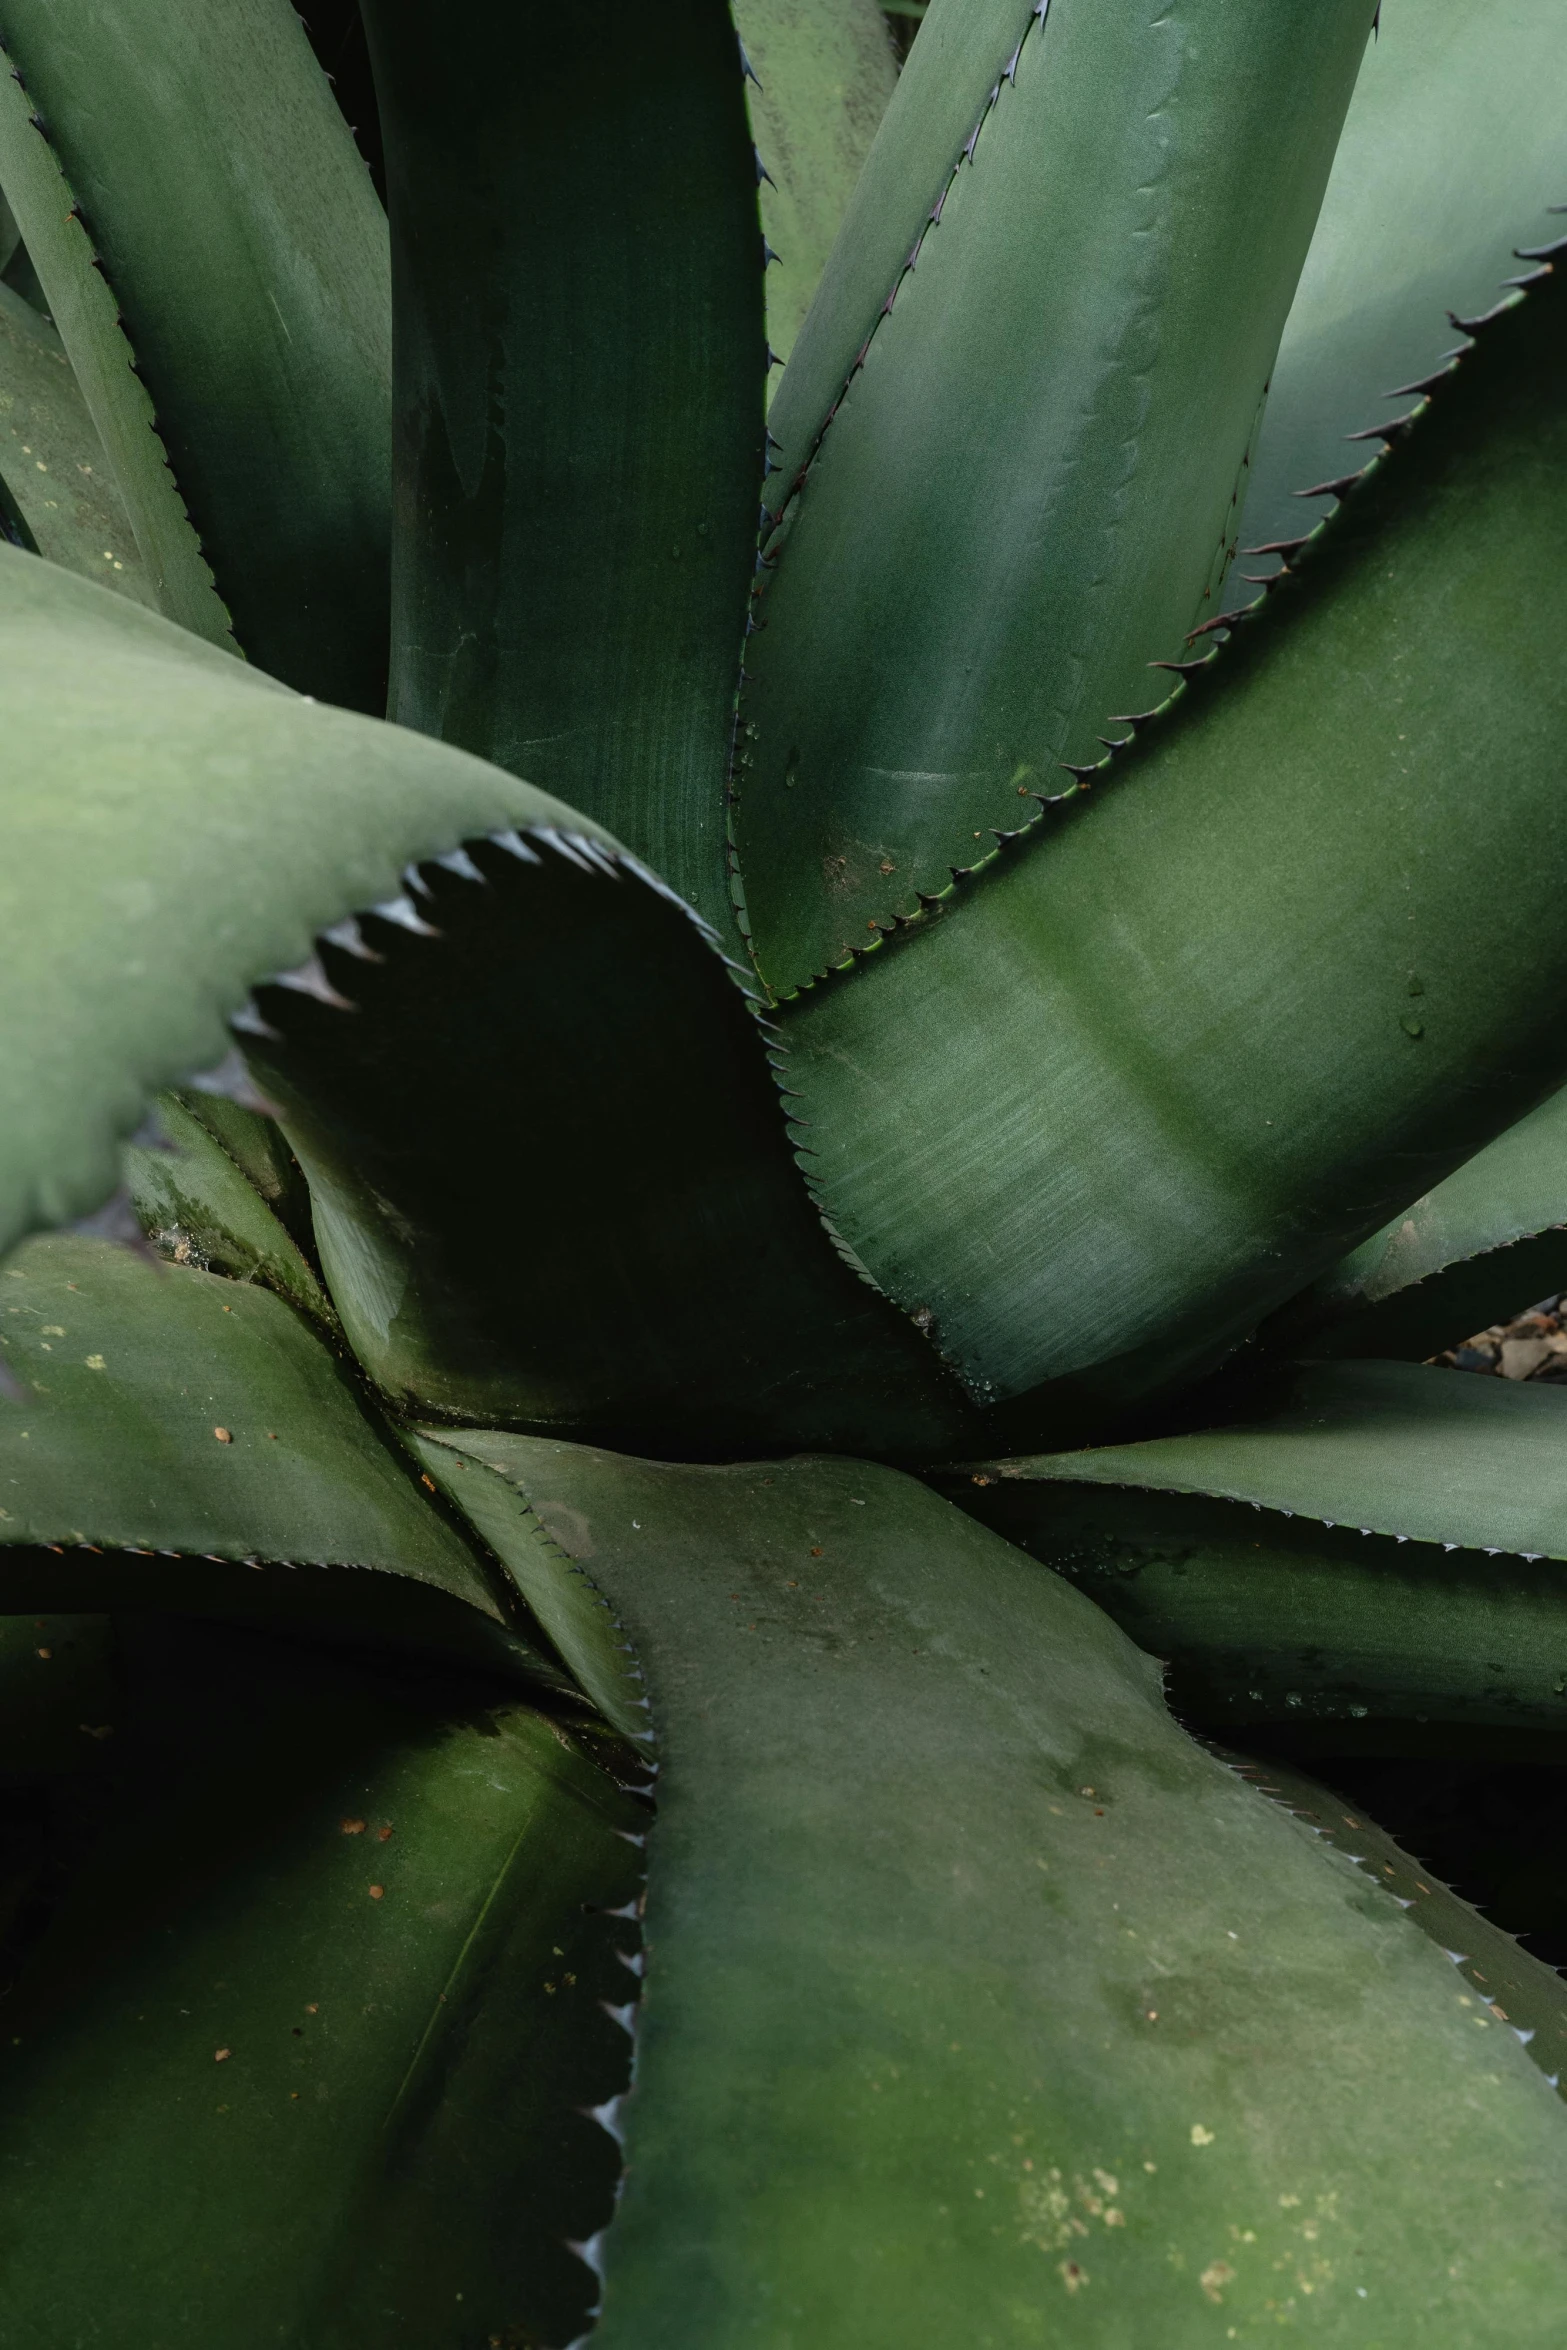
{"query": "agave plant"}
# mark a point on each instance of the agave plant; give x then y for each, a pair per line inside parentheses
(658, 1308)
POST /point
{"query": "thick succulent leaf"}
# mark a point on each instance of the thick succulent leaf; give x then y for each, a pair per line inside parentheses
(1163, 1064)
(86, 312)
(1515, 1988)
(1027, 493)
(824, 71)
(578, 1619)
(52, 463)
(963, 47)
(170, 1420)
(580, 371)
(1397, 1448)
(1450, 159)
(1486, 1242)
(304, 2049)
(1388, 1591)
(981, 2004)
(175, 826)
(552, 1181)
(252, 1138)
(194, 161)
(197, 1205)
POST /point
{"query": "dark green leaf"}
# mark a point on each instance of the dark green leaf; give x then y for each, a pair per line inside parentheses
(199, 1207)
(577, 1618)
(962, 47)
(552, 1182)
(216, 187)
(580, 369)
(1396, 1448)
(981, 2004)
(203, 1424)
(175, 827)
(1484, 1243)
(52, 462)
(1027, 493)
(1164, 1064)
(1342, 1610)
(1451, 156)
(248, 2102)
(824, 72)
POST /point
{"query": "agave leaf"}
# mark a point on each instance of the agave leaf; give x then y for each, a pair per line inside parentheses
(580, 369)
(211, 183)
(87, 314)
(963, 46)
(1416, 1575)
(172, 1428)
(1027, 493)
(253, 1140)
(1450, 156)
(397, 2102)
(1482, 1244)
(552, 1182)
(1162, 1066)
(1517, 1989)
(823, 73)
(1399, 1448)
(199, 1207)
(52, 463)
(979, 1998)
(176, 826)
(578, 1619)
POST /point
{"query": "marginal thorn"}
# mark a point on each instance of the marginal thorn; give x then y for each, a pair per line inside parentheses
(762, 172)
(1339, 488)
(406, 915)
(459, 862)
(748, 72)
(349, 939)
(248, 1022)
(567, 845)
(413, 879)
(309, 978)
(515, 846)
(590, 2251)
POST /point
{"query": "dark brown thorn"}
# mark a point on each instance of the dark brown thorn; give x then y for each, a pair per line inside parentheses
(1332, 489)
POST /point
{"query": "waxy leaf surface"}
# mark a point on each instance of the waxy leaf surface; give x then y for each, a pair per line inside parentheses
(981, 2004)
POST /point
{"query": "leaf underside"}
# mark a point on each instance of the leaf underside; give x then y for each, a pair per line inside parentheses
(590, 1221)
(941, 1902)
(954, 608)
(580, 373)
(1154, 1072)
